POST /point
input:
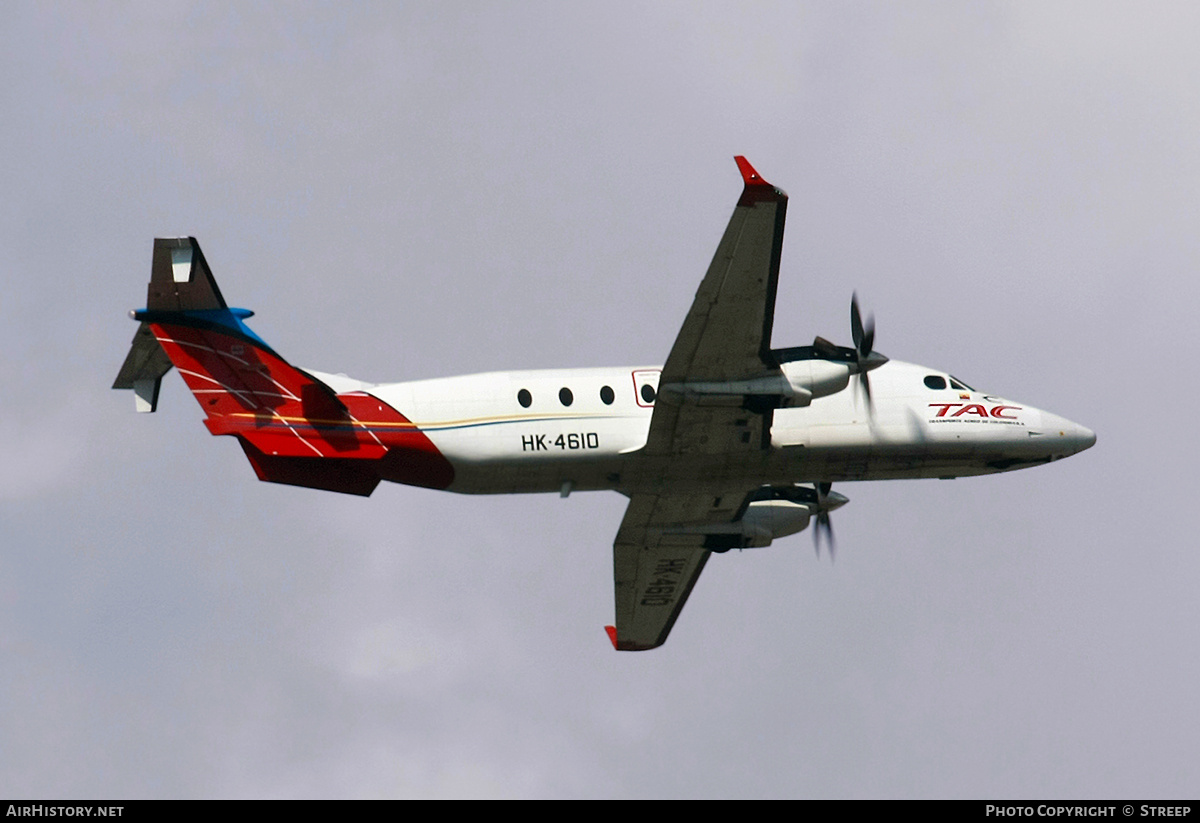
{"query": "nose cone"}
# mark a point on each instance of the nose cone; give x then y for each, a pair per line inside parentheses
(1071, 438)
(1085, 437)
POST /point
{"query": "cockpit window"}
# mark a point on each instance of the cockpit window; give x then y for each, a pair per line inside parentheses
(958, 384)
(935, 381)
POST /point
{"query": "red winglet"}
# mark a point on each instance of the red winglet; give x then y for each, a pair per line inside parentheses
(749, 175)
(612, 634)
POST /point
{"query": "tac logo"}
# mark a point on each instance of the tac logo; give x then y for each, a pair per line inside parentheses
(976, 409)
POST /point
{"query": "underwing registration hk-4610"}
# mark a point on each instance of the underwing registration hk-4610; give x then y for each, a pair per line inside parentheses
(729, 445)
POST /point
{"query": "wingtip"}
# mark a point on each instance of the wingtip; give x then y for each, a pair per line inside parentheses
(749, 176)
(756, 190)
(625, 645)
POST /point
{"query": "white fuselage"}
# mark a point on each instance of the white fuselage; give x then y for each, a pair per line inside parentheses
(499, 445)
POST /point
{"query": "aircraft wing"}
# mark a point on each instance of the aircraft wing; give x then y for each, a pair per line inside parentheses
(726, 337)
(654, 568)
(713, 404)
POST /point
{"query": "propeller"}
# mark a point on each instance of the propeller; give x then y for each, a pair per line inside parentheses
(823, 524)
(865, 357)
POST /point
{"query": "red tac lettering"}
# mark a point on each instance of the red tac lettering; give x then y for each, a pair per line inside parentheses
(976, 409)
(973, 408)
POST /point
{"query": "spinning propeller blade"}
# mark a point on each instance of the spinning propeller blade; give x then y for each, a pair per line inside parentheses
(864, 344)
(823, 524)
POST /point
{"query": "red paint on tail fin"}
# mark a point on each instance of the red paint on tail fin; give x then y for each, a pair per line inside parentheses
(294, 428)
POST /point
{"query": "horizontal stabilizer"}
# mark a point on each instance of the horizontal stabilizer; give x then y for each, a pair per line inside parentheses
(143, 369)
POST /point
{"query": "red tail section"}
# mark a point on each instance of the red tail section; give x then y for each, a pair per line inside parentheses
(293, 428)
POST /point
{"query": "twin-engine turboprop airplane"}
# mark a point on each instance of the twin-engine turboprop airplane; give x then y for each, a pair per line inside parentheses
(730, 444)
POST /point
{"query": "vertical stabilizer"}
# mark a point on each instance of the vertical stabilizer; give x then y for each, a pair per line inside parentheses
(180, 280)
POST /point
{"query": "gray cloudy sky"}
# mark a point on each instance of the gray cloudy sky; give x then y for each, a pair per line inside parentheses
(410, 190)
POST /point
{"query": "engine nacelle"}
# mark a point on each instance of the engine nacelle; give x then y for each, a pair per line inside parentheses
(765, 520)
(735, 392)
(795, 384)
(819, 378)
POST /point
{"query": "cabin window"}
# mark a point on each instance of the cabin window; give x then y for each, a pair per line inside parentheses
(958, 384)
(524, 398)
(647, 392)
(565, 397)
(607, 395)
(935, 381)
